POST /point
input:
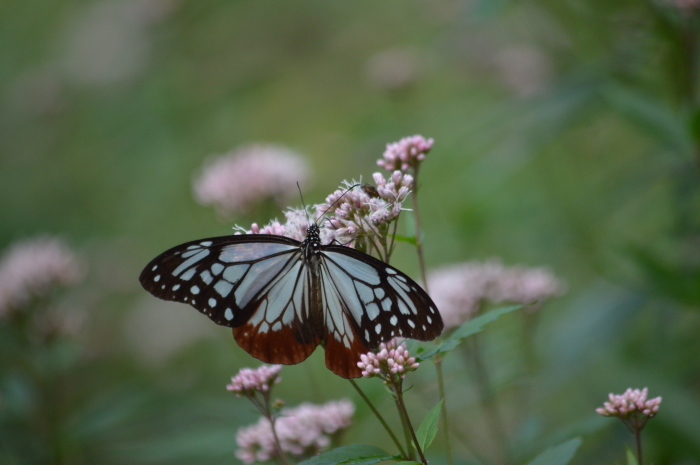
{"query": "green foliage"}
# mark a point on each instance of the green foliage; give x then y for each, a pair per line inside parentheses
(557, 455)
(429, 427)
(567, 135)
(467, 329)
(356, 454)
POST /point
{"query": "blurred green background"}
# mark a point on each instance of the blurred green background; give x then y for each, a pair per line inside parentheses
(567, 135)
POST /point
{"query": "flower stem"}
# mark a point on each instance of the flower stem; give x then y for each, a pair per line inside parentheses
(402, 409)
(379, 417)
(416, 219)
(486, 396)
(437, 360)
(407, 435)
(638, 439)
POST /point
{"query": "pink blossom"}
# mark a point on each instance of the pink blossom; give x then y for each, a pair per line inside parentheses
(32, 268)
(459, 290)
(358, 213)
(248, 381)
(388, 361)
(238, 181)
(406, 153)
(632, 403)
(632, 407)
(302, 431)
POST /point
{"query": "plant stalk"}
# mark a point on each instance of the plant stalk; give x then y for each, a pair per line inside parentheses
(379, 417)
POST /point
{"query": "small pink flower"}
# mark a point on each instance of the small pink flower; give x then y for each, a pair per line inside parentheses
(357, 213)
(302, 431)
(632, 403)
(238, 181)
(459, 290)
(406, 153)
(389, 361)
(33, 268)
(249, 381)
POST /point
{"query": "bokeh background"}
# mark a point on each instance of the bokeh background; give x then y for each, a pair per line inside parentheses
(567, 135)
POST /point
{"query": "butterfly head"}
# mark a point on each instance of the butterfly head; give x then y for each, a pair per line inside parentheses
(312, 243)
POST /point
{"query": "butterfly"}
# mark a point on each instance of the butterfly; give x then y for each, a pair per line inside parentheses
(283, 297)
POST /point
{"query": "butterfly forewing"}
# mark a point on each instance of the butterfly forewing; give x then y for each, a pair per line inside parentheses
(219, 276)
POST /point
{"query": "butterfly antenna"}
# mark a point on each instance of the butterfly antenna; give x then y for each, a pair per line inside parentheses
(303, 204)
(338, 199)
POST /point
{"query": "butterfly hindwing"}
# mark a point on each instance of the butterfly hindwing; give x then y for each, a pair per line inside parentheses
(278, 330)
(368, 302)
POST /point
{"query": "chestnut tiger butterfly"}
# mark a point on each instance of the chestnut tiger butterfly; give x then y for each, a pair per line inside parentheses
(283, 297)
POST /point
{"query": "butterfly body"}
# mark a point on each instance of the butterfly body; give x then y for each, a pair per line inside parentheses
(283, 297)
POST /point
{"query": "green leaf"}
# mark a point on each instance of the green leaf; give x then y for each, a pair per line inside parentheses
(409, 239)
(429, 427)
(467, 329)
(355, 454)
(558, 455)
(650, 114)
(631, 459)
(407, 462)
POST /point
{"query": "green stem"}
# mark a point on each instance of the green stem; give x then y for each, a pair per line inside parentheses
(406, 432)
(437, 360)
(404, 412)
(416, 219)
(379, 417)
(638, 439)
(486, 396)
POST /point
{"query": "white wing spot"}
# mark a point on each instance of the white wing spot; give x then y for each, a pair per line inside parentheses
(379, 292)
(193, 302)
(157, 278)
(223, 288)
(185, 299)
(372, 311)
(212, 302)
(205, 243)
(393, 320)
(398, 276)
(217, 268)
(263, 328)
(176, 287)
(154, 268)
(430, 320)
(411, 323)
(228, 314)
(366, 335)
(277, 326)
(378, 328)
(391, 271)
(187, 275)
(194, 289)
(193, 247)
(423, 327)
(163, 286)
(206, 277)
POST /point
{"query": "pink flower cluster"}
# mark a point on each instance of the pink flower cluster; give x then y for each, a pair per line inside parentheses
(248, 381)
(357, 213)
(302, 431)
(238, 181)
(459, 290)
(32, 268)
(632, 403)
(391, 359)
(406, 153)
